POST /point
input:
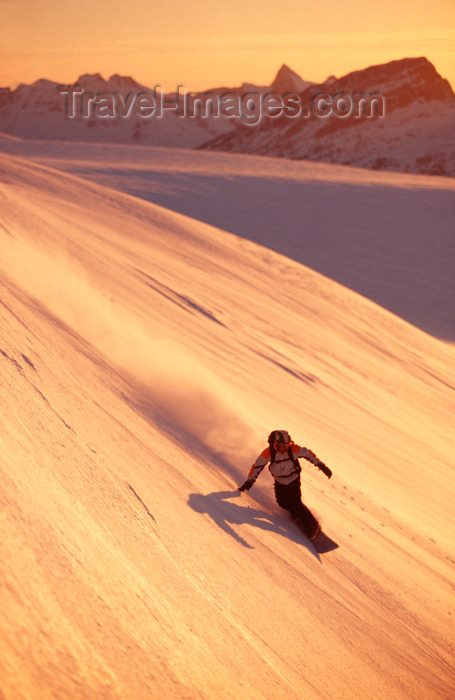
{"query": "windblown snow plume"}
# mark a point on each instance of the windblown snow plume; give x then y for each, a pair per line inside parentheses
(170, 383)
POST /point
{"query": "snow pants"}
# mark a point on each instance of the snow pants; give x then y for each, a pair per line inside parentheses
(289, 497)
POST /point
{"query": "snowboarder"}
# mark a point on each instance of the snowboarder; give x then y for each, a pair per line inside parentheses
(282, 455)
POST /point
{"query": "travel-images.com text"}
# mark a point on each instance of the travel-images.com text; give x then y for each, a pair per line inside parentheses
(250, 108)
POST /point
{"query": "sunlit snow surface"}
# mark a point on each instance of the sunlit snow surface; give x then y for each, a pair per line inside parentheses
(145, 355)
(388, 236)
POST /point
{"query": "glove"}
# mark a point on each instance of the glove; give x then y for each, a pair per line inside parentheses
(247, 485)
(325, 469)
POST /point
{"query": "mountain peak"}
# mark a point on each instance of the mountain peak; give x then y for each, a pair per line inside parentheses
(287, 80)
(122, 82)
(403, 82)
(91, 82)
(94, 82)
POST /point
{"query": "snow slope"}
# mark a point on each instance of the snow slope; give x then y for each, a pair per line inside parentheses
(144, 356)
(388, 236)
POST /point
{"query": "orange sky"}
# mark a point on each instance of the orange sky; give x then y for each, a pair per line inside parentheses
(202, 44)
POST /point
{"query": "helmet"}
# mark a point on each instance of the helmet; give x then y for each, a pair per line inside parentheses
(280, 438)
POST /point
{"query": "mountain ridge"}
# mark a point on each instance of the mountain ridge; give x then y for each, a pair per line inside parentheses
(418, 113)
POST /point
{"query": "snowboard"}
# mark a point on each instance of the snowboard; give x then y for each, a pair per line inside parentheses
(323, 543)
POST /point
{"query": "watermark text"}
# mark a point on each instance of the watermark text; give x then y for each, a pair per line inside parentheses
(249, 108)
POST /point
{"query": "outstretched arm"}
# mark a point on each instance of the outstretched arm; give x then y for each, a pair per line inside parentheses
(256, 469)
(311, 457)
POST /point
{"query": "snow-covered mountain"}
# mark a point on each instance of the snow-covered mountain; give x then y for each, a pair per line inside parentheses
(144, 357)
(40, 111)
(416, 133)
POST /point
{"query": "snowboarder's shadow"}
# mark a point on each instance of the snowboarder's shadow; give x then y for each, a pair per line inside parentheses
(224, 513)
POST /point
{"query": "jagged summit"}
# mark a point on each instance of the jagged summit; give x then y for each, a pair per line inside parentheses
(89, 76)
(116, 83)
(287, 80)
(123, 81)
(403, 81)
